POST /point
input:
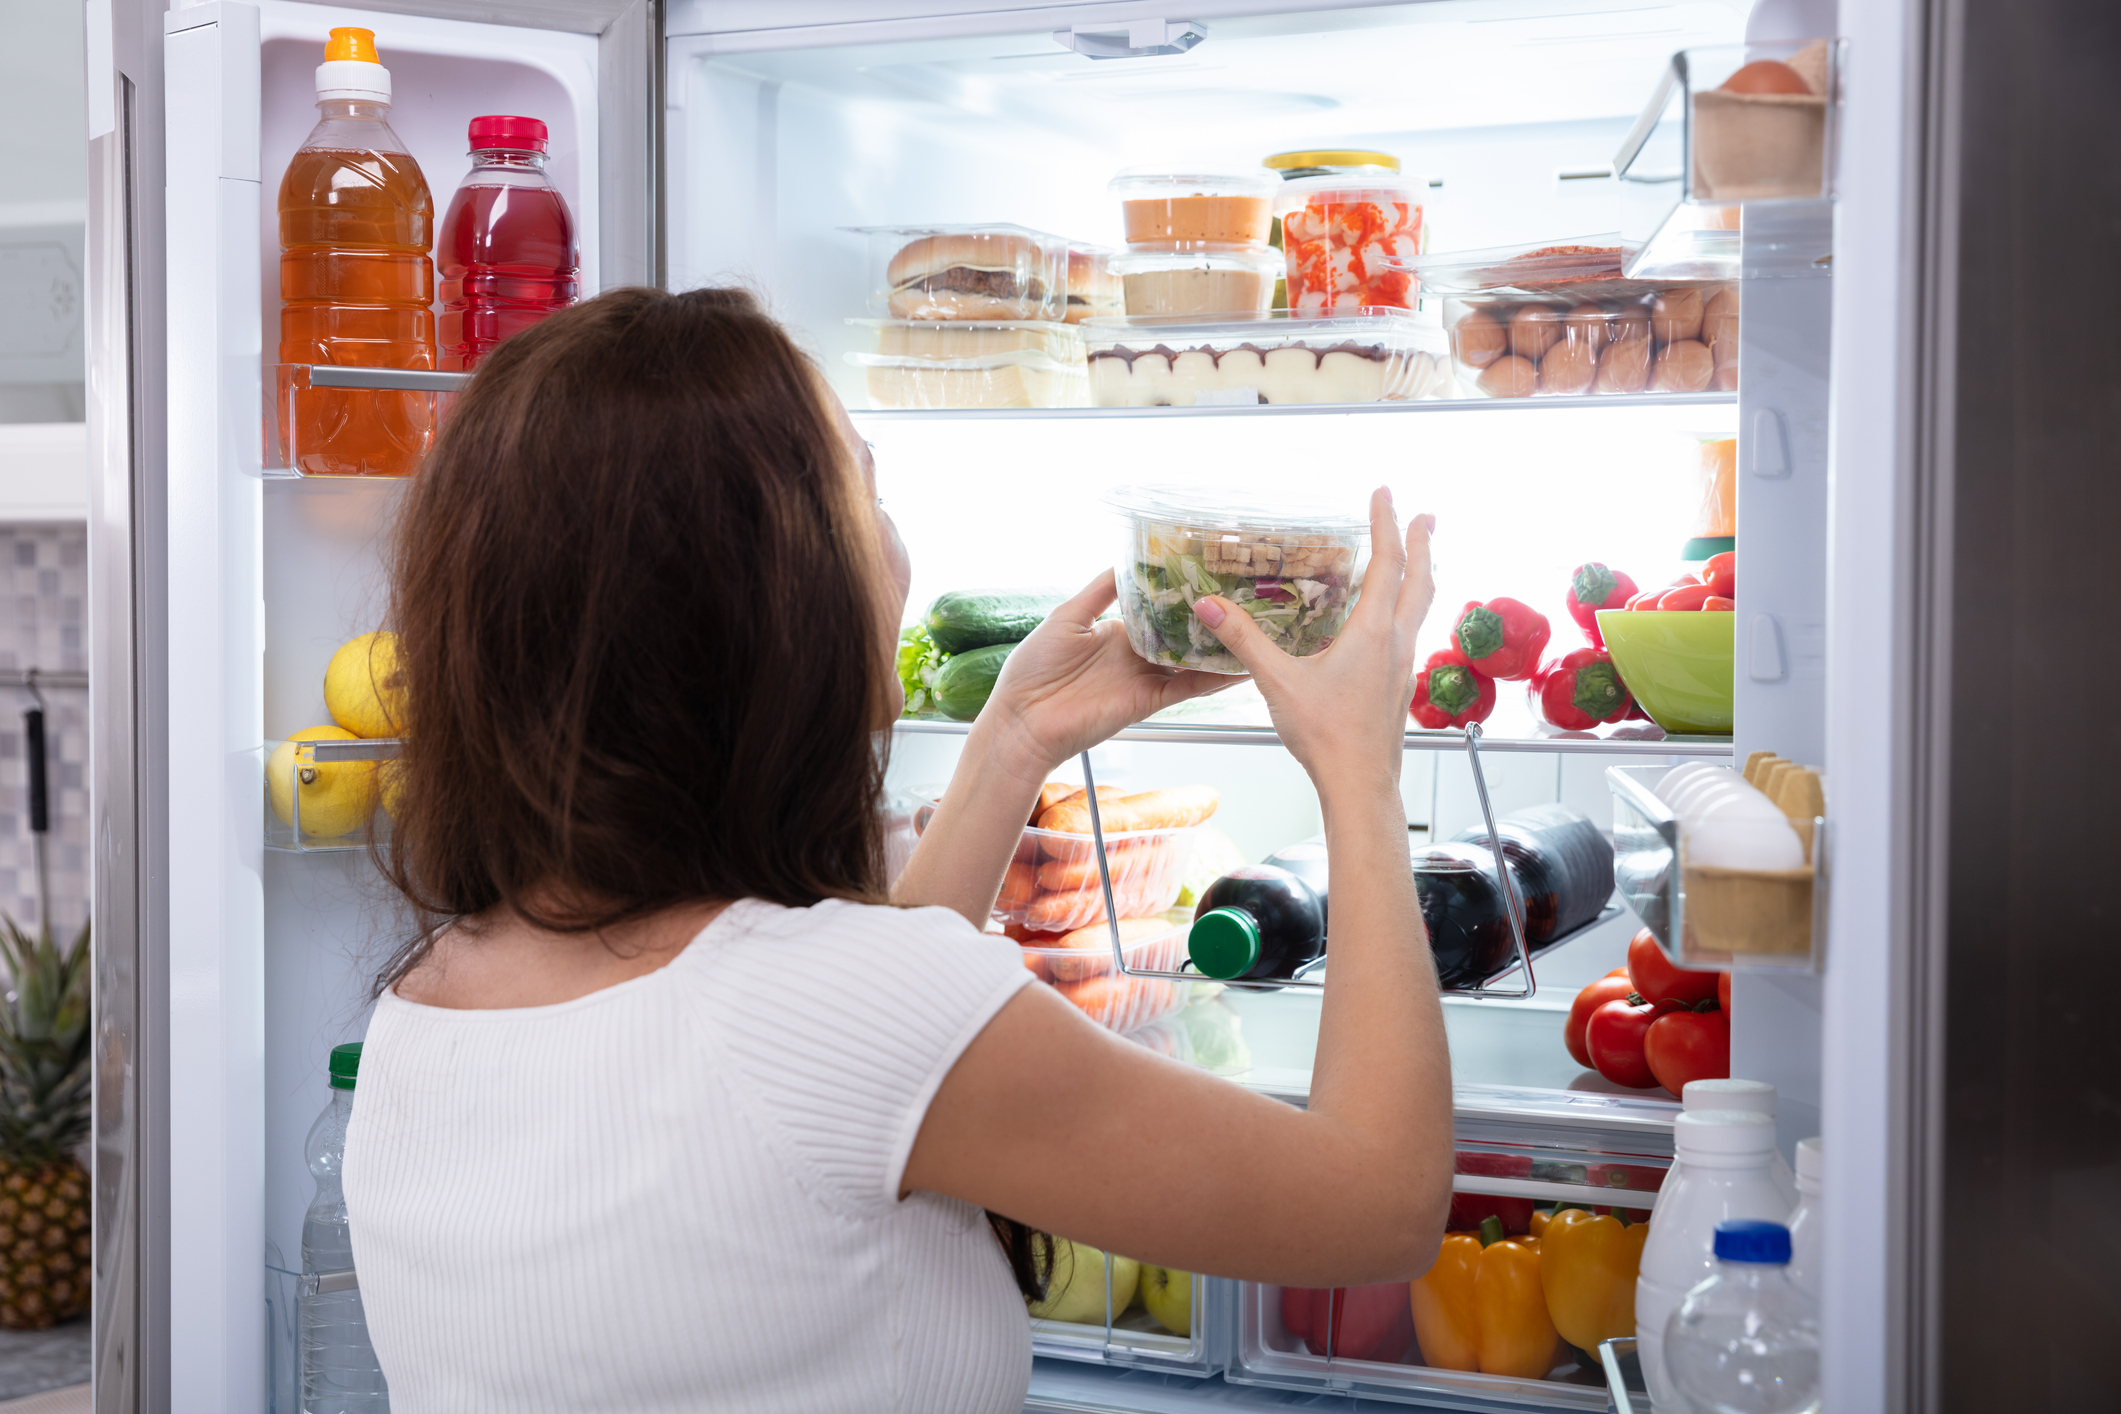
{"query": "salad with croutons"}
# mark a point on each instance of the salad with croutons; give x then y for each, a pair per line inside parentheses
(1295, 576)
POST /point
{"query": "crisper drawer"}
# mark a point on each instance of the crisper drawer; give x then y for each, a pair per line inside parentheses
(1512, 1172)
(1125, 1313)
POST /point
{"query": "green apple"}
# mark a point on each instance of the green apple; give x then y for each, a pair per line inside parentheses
(1077, 1291)
(1168, 1297)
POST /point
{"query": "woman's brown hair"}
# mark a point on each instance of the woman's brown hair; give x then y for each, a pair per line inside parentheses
(641, 655)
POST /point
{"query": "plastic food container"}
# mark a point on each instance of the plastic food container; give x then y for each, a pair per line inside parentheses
(1235, 208)
(974, 364)
(1179, 361)
(1562, 320)
(1345, 237)
(1294, 572)
(981, 272)
(1093, 290)
(1197, 278)
(1053, 887)
(1087, 977)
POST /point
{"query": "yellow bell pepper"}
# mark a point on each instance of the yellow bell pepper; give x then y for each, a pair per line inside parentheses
(1587, 1265)
(1480, 1308)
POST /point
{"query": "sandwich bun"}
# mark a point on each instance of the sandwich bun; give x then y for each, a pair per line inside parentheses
(978, 250)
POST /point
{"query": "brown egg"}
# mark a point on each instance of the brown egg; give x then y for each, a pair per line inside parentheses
(1676, 315)
(1534, 329)
(1587, 322)
(1624, 367)
(1682, 367)
(1479, 339)
(1632, 323)
(1509, 377)
(1569, 367)
(1719, 318)
(1766, 76)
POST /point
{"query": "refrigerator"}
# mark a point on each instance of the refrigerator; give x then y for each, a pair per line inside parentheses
(707, 141)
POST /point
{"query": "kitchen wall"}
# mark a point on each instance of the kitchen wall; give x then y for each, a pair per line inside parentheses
(44, 624)
(43, 204)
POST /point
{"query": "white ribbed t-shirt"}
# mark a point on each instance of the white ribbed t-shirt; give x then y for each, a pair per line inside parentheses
(681, 1192)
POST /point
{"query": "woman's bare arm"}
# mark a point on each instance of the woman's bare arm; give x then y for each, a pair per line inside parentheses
(1053, 1121)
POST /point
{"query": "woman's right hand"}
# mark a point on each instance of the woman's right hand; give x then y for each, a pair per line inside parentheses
(1343, 712)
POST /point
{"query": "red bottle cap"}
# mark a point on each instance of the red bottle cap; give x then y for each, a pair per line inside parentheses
(502, 130)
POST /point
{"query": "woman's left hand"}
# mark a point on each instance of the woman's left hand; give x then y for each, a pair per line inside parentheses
(1076, 681)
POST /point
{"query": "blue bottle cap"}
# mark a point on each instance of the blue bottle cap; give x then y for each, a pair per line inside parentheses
(1751, 1240)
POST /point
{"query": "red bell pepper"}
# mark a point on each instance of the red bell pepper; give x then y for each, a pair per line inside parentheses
(1592, 587)
(1450, 692)
(1467, 1209)
(1351, 1322)
(1503, 638)
(1578, 691)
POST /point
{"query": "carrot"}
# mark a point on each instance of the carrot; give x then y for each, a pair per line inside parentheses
(1686, 596)
(1151, 810)
(1105, 794)
(1051, 794)
(1019, 887)
(1030, 938)
(1079, 871)
(1095, 944)
(1079, 908)
(1117, 1000)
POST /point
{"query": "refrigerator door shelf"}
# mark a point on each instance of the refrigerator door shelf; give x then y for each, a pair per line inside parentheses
(350, 766)
(300, 396)
(1742, 921)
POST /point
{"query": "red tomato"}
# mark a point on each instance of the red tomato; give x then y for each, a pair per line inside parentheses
(1611, 987)
(1688, 1045)
(1720, 574)
(1614, 1037)
(1686, 596)
(1714, 605)
(1723, 992)
(1658, 980)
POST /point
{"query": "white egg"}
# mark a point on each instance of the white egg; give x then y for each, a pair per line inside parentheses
(1744, 843)
(1744, 803)
(1688, 798)
(1679, 775)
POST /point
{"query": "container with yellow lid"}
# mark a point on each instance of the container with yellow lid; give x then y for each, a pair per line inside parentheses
(1347, 217)
(1324, 162)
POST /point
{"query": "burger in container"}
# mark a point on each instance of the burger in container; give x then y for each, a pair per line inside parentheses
(1294, 570)
(976, 272)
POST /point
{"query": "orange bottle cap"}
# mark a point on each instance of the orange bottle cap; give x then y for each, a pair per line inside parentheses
(348, 43)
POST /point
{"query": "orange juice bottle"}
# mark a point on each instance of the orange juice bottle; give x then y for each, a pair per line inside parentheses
(356, 284)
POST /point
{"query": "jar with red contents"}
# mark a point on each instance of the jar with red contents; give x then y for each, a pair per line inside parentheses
(1347, 221)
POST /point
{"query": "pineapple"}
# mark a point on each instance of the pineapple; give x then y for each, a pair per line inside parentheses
(44, 1114)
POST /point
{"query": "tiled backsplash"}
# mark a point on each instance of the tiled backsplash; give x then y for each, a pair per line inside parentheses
(44, 624)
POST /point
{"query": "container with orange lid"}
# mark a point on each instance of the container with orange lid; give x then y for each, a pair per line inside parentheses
(1234, 208)
(1348, 220)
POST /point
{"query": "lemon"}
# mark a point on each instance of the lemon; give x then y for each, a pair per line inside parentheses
(337, 796)
(361, 688)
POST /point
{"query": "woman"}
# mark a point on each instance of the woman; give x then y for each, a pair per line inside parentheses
(672, 1109)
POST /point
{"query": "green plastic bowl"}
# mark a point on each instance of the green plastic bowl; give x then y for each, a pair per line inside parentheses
(1677, 663)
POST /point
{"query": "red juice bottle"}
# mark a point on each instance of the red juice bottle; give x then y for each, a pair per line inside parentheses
(506, 248)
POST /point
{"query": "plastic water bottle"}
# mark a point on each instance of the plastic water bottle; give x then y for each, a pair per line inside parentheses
(506, 250)
(1746, 1341)
(1725, 1171)
(340, 1374)
(1807, 1224)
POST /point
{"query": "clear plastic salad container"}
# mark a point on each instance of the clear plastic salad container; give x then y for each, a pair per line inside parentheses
(1294, 572)
(966, 272)
(1562, 320)
(1197, 278)
(1052, 886)
(1181, 361)
(1235, 207)
(1346, 237)
(1079, 965)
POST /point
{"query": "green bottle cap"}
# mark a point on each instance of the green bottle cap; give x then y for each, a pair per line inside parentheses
(1224, 943)
(345, 1065)
(1701, 547)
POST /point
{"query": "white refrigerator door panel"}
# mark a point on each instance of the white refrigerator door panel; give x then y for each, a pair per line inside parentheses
(215, 904)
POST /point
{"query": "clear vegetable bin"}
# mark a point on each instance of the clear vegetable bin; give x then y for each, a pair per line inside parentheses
(974, 364)
(1561, 320)
(1185, 361)
(1117, 1311)
(1294, 572)
(980, 272)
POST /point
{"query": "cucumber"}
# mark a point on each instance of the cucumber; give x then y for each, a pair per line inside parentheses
(963, 684)
(961, 621)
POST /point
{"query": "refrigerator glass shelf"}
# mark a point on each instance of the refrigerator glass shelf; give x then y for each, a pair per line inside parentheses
(1425, 405)
(299, 395)
(1213, 734)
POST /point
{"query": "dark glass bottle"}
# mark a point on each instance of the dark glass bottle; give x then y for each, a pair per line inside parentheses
(1257, 923)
